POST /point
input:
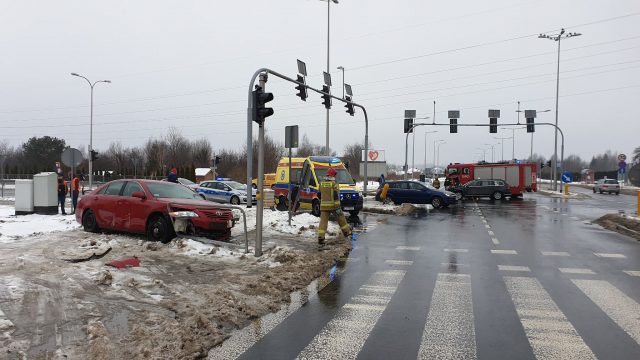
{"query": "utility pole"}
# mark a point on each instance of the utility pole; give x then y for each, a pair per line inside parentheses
(425, 147)
(557, 37)
(502, 139)
(328, 152)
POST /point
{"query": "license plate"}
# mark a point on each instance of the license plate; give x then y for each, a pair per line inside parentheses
(347, 208)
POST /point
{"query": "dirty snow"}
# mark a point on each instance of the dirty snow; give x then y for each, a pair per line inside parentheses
(14, 227)
(277, 222)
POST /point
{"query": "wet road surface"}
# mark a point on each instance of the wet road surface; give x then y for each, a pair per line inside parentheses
(482, 280)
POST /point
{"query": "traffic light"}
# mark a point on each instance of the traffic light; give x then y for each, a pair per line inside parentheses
(493, 121)
(408, 126)
(302, 89)
(94, 155)
(326, 98)
(493, 125)
(542, 165)
(217, 160)
(453, 126)
(530, 115)
(260, 98)
(349, 106)
(549, 163)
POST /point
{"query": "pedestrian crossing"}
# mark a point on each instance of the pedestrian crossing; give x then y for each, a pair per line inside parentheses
(449, 330)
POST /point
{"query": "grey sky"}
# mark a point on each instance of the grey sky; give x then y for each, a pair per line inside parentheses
(187, 64)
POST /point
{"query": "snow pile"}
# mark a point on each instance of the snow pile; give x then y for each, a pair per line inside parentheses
(371, 186)
(277, 222)
(14, 227)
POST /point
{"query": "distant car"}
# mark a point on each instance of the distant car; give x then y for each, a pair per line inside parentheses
(268, 181)
(496, 189)
(151, 207)
(415, 192)
(231, 192)
(607, 185)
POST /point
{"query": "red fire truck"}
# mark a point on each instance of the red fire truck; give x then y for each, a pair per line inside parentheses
(521, 177)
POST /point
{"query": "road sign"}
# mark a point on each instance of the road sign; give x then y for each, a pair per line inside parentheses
(374, 155)
(72, 157)
(622, 157)
(566, 177)
(622, 167)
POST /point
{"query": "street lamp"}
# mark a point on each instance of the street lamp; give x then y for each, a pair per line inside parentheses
(341, 68)
(557, 37)
(413, 151)
(438, 158)
(91, 126)
(425, 147)
(435, 164)
(502, 139)
(513, 137)
(328, 71)
(493, 159)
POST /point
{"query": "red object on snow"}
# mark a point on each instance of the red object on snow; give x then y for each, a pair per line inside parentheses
(130, 262)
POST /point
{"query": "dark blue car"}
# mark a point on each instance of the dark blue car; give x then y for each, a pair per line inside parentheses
(415, 192)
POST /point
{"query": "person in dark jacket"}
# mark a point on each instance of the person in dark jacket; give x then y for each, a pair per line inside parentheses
(173, 176)
(62, 193)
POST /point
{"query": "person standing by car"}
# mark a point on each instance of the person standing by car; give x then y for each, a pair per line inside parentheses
(173, 176)
(75, 191)
(330, 204)
(381, 180)
(62, 193)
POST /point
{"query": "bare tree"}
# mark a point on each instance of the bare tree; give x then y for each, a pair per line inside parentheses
(154, 151)
(201, 152)
(178, 148)
(118, 156)
(352, 156)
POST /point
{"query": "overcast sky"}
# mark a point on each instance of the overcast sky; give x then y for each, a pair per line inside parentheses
(188, 64)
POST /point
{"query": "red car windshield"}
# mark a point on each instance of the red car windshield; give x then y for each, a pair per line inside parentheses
(171, 191)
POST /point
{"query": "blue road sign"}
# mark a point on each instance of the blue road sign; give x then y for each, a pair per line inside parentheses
(566, 177)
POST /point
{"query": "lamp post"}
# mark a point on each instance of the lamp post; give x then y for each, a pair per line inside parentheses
(502, 139)
(435, 164)
(493, 159)
(513, 138)
(342, 68)
(438, 156)
(413, 150)
(91, 126)
(425, 147)
(557, 37)
(328, 152)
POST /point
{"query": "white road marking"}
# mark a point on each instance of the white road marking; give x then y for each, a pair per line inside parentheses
(484, 221)
(487, 226)
(554, 253)
(408, 248)
(344, 336)
(610, 255)
(450, 263)
(399, 262)
(449, 332)
(549, 332)
(616, 304)
(504, 252)
(491, 233)
(565, 214)
(513, 268)
(632, 272)
(456, 250)
(495, 241)
(576, 271)
(575, 218)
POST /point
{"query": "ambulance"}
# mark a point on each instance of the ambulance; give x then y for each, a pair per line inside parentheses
(306, 175)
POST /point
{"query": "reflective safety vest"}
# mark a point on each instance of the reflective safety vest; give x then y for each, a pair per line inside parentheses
(329, 198)
(75, 184)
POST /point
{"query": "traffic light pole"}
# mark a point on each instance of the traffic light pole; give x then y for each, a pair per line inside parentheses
(536, 124)
(250, 119)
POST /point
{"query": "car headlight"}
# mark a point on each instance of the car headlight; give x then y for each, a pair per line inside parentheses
(183, 214)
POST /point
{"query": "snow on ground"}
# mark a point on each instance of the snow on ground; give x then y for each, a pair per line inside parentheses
(371, 186)
(13, 227)
(277, 222)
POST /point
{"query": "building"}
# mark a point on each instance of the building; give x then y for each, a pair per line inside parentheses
(203, 174)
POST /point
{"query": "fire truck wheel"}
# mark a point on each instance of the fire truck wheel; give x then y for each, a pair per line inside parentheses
(497, 195)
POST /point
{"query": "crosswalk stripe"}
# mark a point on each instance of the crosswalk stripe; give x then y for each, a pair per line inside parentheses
(408, 248)
(456, 250)
(513, 268)
(609, 255)
(504, 252)
(487, 226)
(554, 253)
(399, 262)
(449, 332)
(618, 306)
(632, 272)
(549, 332)
(576, 271)
(491, 233)
(344, 336)
(495, 241)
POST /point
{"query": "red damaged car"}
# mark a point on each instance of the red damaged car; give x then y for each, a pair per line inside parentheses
(155, 208)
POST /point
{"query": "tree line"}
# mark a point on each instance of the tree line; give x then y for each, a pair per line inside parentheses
(157, 156)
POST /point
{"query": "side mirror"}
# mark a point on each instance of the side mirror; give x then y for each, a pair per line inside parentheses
(139, 195)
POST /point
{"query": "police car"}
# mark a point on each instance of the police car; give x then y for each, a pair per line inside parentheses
(229, 191)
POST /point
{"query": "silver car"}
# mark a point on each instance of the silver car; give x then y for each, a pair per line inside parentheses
(231, 192)
(607, 185)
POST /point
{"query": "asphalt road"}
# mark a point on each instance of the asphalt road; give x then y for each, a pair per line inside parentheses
(482, 280)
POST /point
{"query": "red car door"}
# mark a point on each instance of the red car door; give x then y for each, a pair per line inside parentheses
(133, 211)
(108, 207)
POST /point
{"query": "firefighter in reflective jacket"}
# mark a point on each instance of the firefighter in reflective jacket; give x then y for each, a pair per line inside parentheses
(330, 203)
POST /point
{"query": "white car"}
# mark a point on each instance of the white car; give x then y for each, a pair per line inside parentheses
(231, 192)
(607, 185)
